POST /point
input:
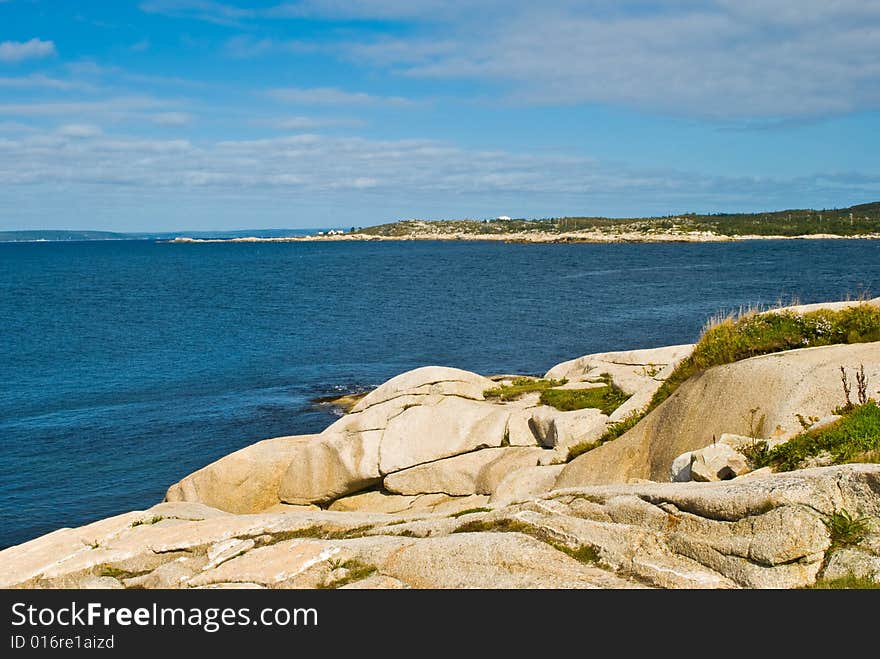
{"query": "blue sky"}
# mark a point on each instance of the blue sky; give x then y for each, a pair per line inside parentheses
(195, 114)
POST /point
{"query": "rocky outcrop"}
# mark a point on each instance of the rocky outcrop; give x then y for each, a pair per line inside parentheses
(760, 532)
(778, 387)
(424, 431)
(245, 481)
(421, 416)
(427, 484)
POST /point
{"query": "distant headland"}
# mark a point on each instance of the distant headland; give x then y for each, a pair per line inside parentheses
(860, 221)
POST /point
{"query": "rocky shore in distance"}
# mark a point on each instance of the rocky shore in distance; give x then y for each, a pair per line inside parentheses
(431, 481)
(535, 237)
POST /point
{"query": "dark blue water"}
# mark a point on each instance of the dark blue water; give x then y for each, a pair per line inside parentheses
(126, 365)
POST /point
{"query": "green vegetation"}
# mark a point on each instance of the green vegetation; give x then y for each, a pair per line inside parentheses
(606, 398)
(844, 529)
(504, 524)
(855, 438)
(750, 334)
(849, 582)
(116, 573)
(853, 221)
(739, 337)
(321, 532)
(355, 572)
(519, 387)
(151, 520)
(613, 431)
(470, 511)
(584, 553)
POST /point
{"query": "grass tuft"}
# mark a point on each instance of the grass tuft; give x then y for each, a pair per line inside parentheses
(356, 572)
(736, 337)
(606, 398)
(844, 529)
(749, 334)
(521, 386)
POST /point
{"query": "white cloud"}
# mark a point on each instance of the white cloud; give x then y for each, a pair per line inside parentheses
(38, 80)
(244, 46)
(120, 106)
(711, 58)
(333, 96)
(310, 165)
(290, 179)
(206, 10)
(723, 58)
(171, 118)
(15, 51)
(306, 123)
(79, 130)
(381, 9)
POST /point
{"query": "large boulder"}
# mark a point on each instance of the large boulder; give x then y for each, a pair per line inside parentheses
(450, 427)
(420, 416)
(717, 462)
(778, 387)
(330, 466)
(427, 380)
(245, 481)
(478, 472)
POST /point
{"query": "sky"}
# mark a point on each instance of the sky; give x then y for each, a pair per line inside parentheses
(165, 115)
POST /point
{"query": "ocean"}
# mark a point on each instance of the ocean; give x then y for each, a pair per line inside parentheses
(125, 365)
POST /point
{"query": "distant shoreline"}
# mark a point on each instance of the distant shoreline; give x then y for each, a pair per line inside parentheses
(532, 237)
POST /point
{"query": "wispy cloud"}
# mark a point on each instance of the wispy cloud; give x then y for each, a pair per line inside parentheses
(39, 80)
(79, 130)
(333, 96)
(205, 10)
(15, 51)
(171, 118)
(774, 58)
(244, 46)
(114, 108)
(312, 164)
(308, 123)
